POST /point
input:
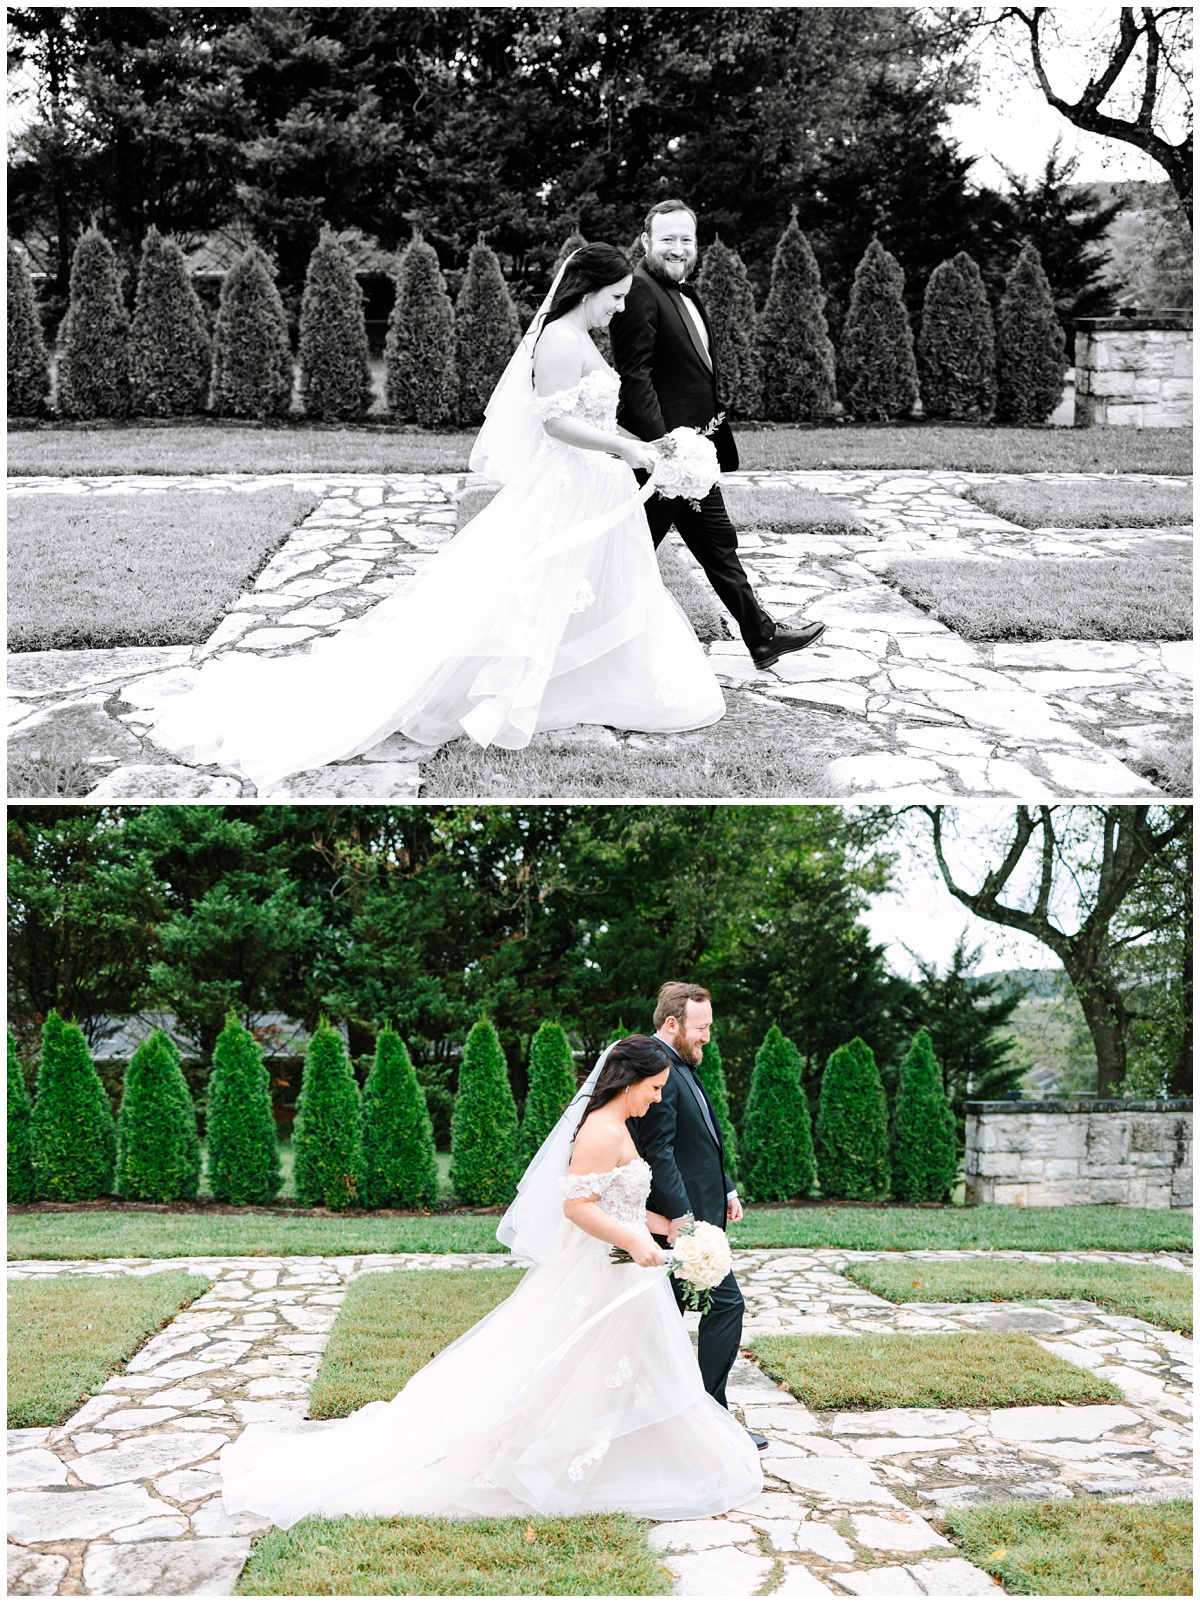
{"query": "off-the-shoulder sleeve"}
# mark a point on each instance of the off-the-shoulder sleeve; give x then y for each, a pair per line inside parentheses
(579, 1185)
(563, 403)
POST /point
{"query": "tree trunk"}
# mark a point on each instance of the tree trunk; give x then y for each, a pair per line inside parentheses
(1105, 1016)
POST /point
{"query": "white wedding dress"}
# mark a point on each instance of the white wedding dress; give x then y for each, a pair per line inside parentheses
(546, 610)
(578, 1394)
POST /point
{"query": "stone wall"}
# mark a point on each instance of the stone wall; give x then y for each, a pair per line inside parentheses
(1051, 1154)
(1135, 371)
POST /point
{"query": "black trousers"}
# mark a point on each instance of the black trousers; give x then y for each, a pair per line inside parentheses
(720, 1333)
(712, 540)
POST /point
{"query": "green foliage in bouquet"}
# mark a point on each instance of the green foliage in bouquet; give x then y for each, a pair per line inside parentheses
(399, 1167)
(74, 1137)
(158, 1147)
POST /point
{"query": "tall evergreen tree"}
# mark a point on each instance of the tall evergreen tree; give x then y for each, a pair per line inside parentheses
(93, 342)
(486, 332)
(728, 297)
(243, 1144)
(399, 1167)
(252, 358)
(327, 1134)
(923, 1142)
(1071, 226)
(1031, 351)
(158, 1147)
(552, 1084)
(878, 368)
(711, 1074)
(422, 385)
(335, 372)
(777, 1130)
(797, 361)
(483, 1132)
(20, 1116)
(170, 354)
(28, 367)
(956, 348)
(852, 1126)
(74, 1136)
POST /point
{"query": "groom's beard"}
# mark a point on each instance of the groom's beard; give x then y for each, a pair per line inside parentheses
(672, 274)
(691, 1054)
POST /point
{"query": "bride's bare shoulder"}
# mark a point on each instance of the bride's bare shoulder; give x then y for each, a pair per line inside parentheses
(598, 1147)
(558, 360)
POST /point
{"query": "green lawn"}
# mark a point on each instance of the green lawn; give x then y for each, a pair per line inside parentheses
(789, 509)
(1093, 505)
(221, 447)
(137, 570)
(391, 1325)
(109, 1233)
(67, 1335)
(759, 748)
(595, 1555)
(975, 1370)
(1084, 1548)
(1162, 1296)
(1076, 598)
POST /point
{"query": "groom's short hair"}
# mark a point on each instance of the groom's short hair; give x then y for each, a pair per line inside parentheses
(660, 210)
(673, 999)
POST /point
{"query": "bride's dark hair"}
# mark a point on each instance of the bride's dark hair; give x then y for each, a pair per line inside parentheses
(637, 1057)
(592, 267)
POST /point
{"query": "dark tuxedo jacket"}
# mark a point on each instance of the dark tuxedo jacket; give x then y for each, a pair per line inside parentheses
(680, 1139)
(668, 381)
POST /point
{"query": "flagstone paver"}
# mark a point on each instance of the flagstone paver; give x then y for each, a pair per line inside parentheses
(124, 1497)
(919, 710)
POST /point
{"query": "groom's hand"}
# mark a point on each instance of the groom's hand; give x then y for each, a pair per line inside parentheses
(733, 1208)
(674, 1228)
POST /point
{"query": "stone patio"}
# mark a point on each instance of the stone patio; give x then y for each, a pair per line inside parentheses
(123, 1499)
(916, 710)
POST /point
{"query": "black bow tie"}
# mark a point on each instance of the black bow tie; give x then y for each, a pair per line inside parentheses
(686, 289)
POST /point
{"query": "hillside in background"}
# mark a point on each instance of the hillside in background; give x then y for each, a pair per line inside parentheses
(1053, 1045)
(1149, 244)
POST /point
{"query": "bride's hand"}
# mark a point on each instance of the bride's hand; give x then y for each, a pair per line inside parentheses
(645, 1253)
(638, 454)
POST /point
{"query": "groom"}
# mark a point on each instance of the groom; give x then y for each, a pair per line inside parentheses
(664, 351)
(680, 1139)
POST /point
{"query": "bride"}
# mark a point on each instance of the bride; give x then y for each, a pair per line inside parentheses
(579, 1394)
(546, 610)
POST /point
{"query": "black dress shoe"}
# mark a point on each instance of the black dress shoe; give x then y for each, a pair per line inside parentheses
(785, 640)
(760, 1442)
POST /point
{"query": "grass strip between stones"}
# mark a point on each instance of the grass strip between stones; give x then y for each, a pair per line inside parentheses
(967, 1370)
(392, 1324)
(219, 447)
(1148, 597)
(87, 1232)
(67, 1335)
(90, 571)
(1084, 1548)
(1098, 504)
(1161, 1296)
(592, 1555)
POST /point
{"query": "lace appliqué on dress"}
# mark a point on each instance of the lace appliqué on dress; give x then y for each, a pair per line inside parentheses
(621, 1192)
(583, 1461)
(593, 400)
(622, 1373)
(583, 598)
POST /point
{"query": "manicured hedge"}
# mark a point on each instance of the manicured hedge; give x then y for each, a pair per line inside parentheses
(552, 1084)
(852, 1126)
(28, 366)
(20, 1138)
(252, 359)
(799, 375)
(399, 1168)
(327, 1135)
(924, 1142)
(486, 332)
(483, 1133)
(728, 295)
(422, 384)
(878, 368)
(956, 349)
(74, 1137)
(1031, 351)
(158, 1147)
(93, 342)
(170, 354)
(243, 1147)
(335, 374)
(777, 1131)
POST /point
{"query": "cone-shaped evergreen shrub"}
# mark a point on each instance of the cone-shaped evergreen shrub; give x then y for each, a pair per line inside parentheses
(74, 1137)
(956, 349)
(878, 368)
(252, 359)
(170, 354)
(93, 342)
(486, 332)
(852, 1126)
(1031, 352)
(483, 1132)
(728, 297)
(243, 1146)
(399, 1168)
(711, 1074)
(28, 369)
(777, 1147)
(924, 1143)
(158, 1148)
(552, 1084)
(20, 1113)
(335, 374)
(327, 1135)
(573, 242)
(799, 375)
(422, 385)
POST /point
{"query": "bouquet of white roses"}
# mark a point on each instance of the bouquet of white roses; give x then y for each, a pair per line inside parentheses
(687, 465)
(700, 1259)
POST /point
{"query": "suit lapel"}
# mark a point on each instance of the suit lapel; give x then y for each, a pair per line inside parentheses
(693, 332)
(689, 1078)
